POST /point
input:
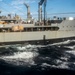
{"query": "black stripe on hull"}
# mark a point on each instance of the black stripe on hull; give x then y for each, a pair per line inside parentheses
(38, 42)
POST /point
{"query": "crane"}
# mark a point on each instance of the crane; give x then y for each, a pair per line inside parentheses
(40, 10)
(45, 11)
(41, 2)
(28, 11)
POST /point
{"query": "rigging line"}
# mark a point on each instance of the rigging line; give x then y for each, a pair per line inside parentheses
(61, 13)
(58, 13)
(14, 7)
(4, 9)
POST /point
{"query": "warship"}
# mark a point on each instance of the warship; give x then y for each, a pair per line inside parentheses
(16, 31)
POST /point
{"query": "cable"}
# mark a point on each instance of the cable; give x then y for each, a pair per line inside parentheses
(4, 8)
(13, 7)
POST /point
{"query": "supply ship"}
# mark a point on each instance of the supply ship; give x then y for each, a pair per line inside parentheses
(16, 31)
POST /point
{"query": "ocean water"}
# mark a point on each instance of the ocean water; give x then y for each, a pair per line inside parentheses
(20, 59)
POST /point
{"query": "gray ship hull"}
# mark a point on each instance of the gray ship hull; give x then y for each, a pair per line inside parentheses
(43, 37)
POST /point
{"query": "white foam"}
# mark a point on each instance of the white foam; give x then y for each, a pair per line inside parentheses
(26, 62)
(71, 52)
(65, 58)
(45, 65)
(21, 58)
(58, 61)
(71, 47)
(24, 55)
(63, 65)
(64, 42)
(59, 43)
(21, 48)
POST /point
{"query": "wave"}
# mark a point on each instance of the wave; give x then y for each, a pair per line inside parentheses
(61, 66)
(23, 58)
(71, 52)
(68, 42)
(22, 54)
(57, 55)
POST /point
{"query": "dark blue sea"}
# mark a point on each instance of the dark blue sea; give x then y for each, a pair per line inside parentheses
(26, 59)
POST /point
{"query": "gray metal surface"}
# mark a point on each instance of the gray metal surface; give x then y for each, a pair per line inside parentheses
(66, 29)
